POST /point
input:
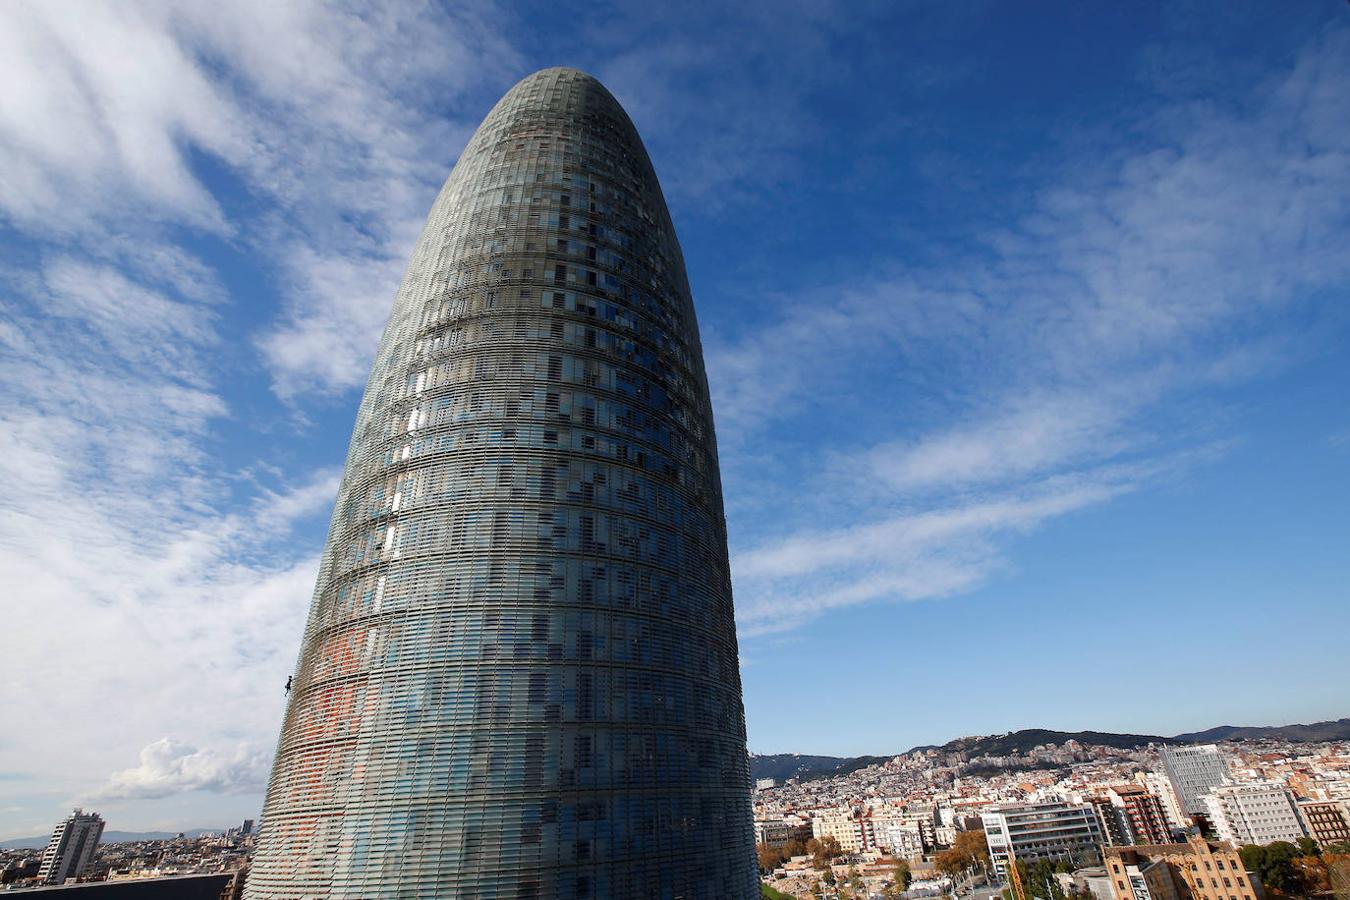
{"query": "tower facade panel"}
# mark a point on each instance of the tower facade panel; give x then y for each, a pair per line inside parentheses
(519, 674)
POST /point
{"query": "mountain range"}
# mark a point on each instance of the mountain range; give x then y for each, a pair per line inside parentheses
(109, 837)
(782, 766)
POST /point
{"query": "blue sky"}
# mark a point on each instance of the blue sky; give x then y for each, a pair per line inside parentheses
(1025, 324)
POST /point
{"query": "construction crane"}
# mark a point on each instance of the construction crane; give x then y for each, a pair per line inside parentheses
(1015, 876)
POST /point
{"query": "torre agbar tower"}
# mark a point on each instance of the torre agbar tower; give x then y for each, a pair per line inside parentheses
(519, 673)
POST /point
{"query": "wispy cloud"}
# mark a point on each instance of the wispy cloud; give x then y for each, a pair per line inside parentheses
(143, 142)
(1037, 374)
(320, 112)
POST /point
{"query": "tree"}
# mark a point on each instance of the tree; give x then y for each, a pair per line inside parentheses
(1274, 865)
(974, 846)
(1039, 878)
(950, 863)
(903, 876)
(970, 850)
(1309, 847)
(824, 850)
(770, 856)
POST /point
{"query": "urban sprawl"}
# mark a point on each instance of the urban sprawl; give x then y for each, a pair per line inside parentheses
(1233, 821)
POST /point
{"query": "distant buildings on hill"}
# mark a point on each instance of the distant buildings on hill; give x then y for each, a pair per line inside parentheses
(1156, 823)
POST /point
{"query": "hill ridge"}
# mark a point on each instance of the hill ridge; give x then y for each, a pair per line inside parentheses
(782, 766)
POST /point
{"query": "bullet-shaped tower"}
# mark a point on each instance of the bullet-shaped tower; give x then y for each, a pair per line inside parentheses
(519, 673)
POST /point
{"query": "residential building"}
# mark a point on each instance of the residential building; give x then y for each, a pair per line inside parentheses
(1327, 821)
(71, 849)
(519, 675)
(1116, 831)
(1196, 870)
(1256, 813)
(1048, 830)
(1143, 812)
(898, 836)
(850, 827)
(1160, 786)
(1194, 772)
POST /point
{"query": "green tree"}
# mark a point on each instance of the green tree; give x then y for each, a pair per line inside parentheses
(1309, 847)
(902, 875)
(1274, 865)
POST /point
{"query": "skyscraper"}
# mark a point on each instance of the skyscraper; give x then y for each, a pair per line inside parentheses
(519, 675)
(71, 849)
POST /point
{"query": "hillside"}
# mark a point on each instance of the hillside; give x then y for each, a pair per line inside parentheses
(1338, 730)
(782, 766)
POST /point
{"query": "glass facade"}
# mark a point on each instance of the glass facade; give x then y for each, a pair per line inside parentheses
(519, 675)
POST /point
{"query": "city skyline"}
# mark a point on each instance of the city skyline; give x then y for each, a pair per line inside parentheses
(1060, 291)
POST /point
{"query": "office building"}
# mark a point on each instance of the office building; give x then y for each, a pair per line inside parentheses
(71, 849)
(1050, 830)
(519, 674)
(1194, 772)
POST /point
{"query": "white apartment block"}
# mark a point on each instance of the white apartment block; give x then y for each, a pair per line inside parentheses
(1254, 813)
(71, 848)
(898, 836)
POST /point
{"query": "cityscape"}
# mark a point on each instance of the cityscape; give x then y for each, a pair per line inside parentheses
(497, 450)
(1122, 820)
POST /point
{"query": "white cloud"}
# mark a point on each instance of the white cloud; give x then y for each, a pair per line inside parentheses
(170, 767)
(1034, 435)
(336, 120)
(154, 573)
(910, 556)
(1146, 275)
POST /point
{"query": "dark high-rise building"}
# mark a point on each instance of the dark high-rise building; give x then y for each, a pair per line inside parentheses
(519, 674)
